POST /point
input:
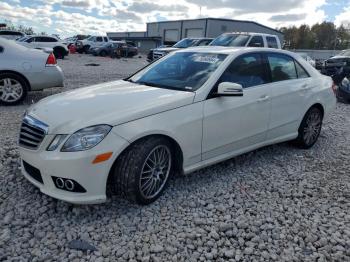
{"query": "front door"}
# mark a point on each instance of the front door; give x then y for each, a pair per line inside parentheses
(235, 123)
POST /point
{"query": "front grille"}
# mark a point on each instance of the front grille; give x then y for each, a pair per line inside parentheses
(33, 172)
(32, 133)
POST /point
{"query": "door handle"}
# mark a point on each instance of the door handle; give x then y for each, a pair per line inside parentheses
(263, 98)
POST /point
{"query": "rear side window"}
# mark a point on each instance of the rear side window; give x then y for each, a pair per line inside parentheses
(105, 39)
(246, 70)
(282, 67)
(99, 39)
(256, 41)
(271, 42)
(1, 49)
(301, 71)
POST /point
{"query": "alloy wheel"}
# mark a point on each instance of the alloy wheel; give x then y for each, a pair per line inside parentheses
(312, 128)
(11, 90)
(155, 172)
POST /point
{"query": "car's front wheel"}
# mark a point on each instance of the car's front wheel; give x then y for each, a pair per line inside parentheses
(13, 89)
(142, 172)
(310, 128)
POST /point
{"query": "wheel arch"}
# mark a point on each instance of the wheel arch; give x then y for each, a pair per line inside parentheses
(176, 150)
(319, 106)
(19, 74)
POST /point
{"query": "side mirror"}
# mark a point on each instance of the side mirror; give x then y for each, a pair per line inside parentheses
(230, 89)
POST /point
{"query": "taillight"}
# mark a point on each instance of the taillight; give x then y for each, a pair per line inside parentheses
(51, 60)
(334, 88)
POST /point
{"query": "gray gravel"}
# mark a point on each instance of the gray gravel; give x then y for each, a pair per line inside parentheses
(278, 203)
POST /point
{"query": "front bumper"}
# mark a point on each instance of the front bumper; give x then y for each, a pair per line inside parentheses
(73, 165)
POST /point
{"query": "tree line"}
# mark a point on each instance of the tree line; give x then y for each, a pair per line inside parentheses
(319, 36)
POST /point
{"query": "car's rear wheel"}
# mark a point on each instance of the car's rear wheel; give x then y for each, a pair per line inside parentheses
(310, 128)
(142, 172)
(13, 89)
(59, 53)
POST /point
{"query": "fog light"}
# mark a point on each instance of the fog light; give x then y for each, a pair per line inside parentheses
(69, 185)
(60, 183)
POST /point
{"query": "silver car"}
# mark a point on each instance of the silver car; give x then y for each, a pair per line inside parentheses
(23, 69)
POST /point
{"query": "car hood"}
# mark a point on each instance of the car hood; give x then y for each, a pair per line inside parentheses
(166, 49)
(110, 103)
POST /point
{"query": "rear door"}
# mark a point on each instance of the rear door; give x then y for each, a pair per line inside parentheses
(290, 88)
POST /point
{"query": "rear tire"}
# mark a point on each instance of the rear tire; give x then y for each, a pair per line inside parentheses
(310, 128)
(59, 53)
(13, 89)
(142, 172)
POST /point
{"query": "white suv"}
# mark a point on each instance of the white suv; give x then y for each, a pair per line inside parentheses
(60, 50)
(247, 40)
(83, 46)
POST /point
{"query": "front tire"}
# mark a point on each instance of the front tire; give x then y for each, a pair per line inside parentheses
(310, 128)
(13, 89)
(142, 172)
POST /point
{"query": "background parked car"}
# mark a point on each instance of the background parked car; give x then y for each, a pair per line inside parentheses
(184, 43)
(23, 69)
(73, 40)
(307, 58)
(84, 45)
(342, 81)
(39, 42)
(247, 40)
(10, 34)
(110, 48)
(335, 63)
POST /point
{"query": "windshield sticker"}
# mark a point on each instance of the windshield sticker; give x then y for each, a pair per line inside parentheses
(210, 59)
(188, 88)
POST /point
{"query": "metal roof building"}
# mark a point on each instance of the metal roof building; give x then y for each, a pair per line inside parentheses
(173, 31)
(170, 32)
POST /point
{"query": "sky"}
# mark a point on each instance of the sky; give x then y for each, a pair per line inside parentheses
(69, 17)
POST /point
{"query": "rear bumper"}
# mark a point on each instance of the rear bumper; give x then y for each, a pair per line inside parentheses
(51, 76)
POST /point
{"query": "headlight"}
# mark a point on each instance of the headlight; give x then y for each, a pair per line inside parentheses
(86, 138)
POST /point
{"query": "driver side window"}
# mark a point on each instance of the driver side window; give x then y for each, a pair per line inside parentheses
(246, 70)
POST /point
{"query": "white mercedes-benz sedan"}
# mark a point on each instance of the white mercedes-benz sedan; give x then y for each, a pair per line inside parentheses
(188, 110)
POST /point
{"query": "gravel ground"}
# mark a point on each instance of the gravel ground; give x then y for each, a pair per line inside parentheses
(277, 203)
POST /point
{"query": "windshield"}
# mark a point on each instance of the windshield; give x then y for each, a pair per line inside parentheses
(186, 71)
(345, 53)
(230, 40)
(184, 43)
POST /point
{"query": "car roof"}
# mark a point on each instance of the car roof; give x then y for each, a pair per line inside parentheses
(235, 50)
(249, 33)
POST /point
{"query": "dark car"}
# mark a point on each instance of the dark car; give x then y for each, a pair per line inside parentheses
(157, 53)
(115, 48)
(342, 80)
(335, 63)
(112, 48)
